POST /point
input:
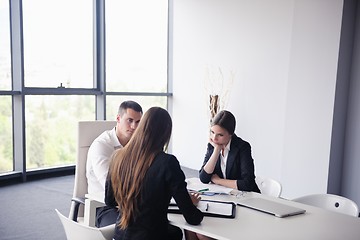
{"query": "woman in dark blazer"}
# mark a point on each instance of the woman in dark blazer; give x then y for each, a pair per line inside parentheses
(143, 178)
(228, 161)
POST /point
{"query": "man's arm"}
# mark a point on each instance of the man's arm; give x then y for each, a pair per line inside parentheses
(99, 156)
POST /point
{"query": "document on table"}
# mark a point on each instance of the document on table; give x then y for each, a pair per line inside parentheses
(194, 184)
(217, 208)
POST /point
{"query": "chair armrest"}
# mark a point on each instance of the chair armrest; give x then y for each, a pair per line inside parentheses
(77, 201)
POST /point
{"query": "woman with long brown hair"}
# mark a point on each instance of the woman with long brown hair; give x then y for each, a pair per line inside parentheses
(143, 178)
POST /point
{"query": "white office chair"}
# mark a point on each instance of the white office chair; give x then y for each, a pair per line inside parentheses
(76, 231)
(269, 186)
(331, 202)
(87, 132)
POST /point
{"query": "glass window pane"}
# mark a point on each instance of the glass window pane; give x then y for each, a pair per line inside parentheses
(6, 136)
(5, 59)
(113, 103)
(58, 43)
(136, 45)
(51, 128)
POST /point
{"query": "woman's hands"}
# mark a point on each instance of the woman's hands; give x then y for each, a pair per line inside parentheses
(217, 147)
(210, 165)
(215, 179)
(224, 182)
(195, 197)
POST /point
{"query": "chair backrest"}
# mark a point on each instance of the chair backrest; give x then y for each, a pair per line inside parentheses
(269, 186)
(331, 202)
(87, 132)
(76, 231)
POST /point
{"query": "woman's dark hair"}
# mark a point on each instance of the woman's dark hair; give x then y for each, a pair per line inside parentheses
(225, 119)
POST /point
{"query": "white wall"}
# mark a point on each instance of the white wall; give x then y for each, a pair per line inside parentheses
(284, 54)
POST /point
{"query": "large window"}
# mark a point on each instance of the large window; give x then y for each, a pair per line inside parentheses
(5, 60)
(58, 43)
(6, 140)
(64, 61)
(6, 136)
(136, 44)
(58, 52)
(51, 128)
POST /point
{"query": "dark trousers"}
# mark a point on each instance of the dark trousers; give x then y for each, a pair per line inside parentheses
(105, 216)
(174, 233)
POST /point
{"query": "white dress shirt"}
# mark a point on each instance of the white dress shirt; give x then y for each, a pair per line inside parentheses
(98, 160)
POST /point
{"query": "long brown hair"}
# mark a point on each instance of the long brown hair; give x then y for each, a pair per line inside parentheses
(130, 164)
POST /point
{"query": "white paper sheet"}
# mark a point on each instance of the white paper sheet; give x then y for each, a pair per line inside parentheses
(195, 184)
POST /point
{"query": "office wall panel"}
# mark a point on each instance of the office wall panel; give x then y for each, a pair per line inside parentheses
(351, 158)
(283, 57)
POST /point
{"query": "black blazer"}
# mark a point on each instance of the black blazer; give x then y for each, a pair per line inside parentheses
(239, 165)
(163, 180)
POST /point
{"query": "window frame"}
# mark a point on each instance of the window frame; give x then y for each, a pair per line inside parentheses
(19, 91)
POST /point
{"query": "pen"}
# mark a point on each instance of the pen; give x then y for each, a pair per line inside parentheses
(203, 190)
(207, 207)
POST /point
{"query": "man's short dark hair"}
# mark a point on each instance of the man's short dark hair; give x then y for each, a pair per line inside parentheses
(129, 104)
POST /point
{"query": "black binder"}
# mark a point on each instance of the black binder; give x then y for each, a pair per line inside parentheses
(211, 208)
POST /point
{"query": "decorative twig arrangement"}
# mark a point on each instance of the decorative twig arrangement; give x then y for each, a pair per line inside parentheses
(217, 87)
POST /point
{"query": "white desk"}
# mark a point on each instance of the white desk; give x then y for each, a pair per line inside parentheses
(315, 224)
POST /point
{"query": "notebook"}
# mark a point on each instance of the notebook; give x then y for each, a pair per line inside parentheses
(267, 206)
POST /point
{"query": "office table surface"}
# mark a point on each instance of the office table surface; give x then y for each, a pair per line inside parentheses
(316, 223)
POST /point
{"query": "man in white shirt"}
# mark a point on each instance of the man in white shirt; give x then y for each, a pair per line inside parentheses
(101, 149)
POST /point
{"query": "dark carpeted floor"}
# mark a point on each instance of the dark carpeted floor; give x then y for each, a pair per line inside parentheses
(27, 209)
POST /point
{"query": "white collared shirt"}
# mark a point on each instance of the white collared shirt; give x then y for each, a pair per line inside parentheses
(98, 160)
(223, 158)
